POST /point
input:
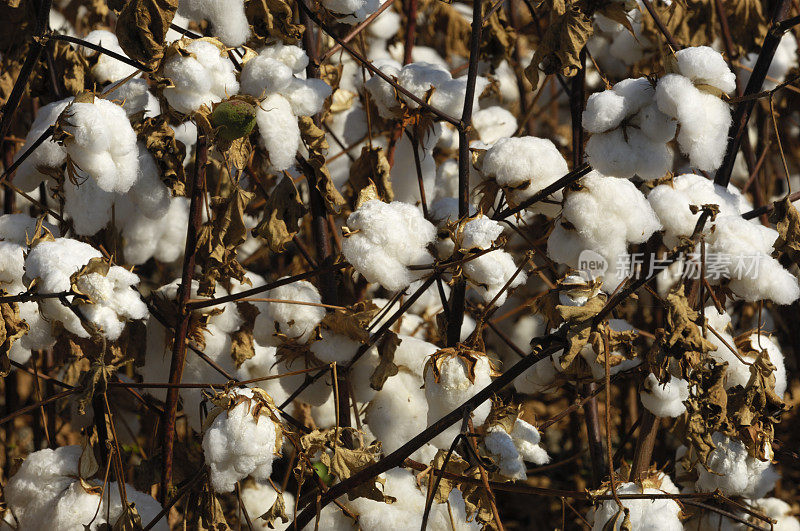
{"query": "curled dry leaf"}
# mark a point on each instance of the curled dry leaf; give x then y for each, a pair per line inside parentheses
(282, 215)
(12, 327)
(142, 29)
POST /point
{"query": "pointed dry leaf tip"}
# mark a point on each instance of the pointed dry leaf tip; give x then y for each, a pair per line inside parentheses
(282, 214)
(142, 29)
(463, 355)
(12, 328)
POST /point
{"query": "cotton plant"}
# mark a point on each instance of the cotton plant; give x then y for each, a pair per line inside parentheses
(227, 17)
(105, 298)
(107, 69)
(664, 399)
(785, 59)
(523, 166)
(630, 135)
(512, 449)
(742, 249)
(691, 96)
(490, 272)
(274, 77)
(613, 45)
(451, 377)
(351, 11)
(383, 239)
(49, 491)
(419, 78)
(661, 514)
(603, 215)
(199, 73)
(242, 438)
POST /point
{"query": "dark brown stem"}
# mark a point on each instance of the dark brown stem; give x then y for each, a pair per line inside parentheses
(741, 114)
(648, 431)
(660, 25)
(410, 8)
(182, 297)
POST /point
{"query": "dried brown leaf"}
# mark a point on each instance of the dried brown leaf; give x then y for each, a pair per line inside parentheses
(142, 29)
(282, 215)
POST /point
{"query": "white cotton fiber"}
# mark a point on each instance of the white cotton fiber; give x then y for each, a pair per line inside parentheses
(205, 77)
(664, 400)
(87, 205)
(784, 60)
(385, 239)
(352, 11)
(101, 142)
(113, 300)
(264, 74)
(658, 514)
(296, 321)
(494, 123)
(734, 472)
(525, 165)
(258, 498)
(704, 120)
(237, 444)
(280, 134)
(705, 66)
(49, 154)
(107, 69)
(490, 272)
(604, 110)
(134, 97)
(511, 450)
(228, 21)
(399, 411)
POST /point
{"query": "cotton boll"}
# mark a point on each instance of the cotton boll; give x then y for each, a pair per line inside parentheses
(664, 400)
(102, 143)
(405, 182)
(490, 272)
(264, 74)
(703, 135)
(778, 510)
(449, 96)
(381, 92)
(386, 238)
(149, 193)
(705, 66)
(450, 380)
(479, 233)
(656, 125)
(494, 123)
(173, 240)
(334, 348)
(280, 134)
(258, 498)
(238, 444)
(297, 321)
(512, 449)
(760, 343)
(107, 69)
(134, 97)
(637, 93)
(627, 48)
(75, 508)
(20, 228)
(398, 412)
(610, 154)
(734, 472)
(661, 514)
(49, 154)
(420, 77)
(654, 159)
(352, 11)
(147, 507)
(227, 17)
(203, 78)
(88, 206)
(526, 165)
(306, 95)
(670, 91)
(604, 110)
(114, 302)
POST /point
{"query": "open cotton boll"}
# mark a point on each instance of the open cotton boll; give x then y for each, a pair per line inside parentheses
(258, 498)
(526, 165)
(87, 205)
(671, 203)
(659, 514)
(405, 182)
(664, 400)
(385, 238)
(134, 97)
(352, 11)
(758, 343)
(114, 302)
(49, 154)
(604, 110)
(144, 237)
(265, 74)
(205, 77)
(296, 321)
(778, 510)
(479, 233)
(334, 348)
(494, 123)
(514, 448)
(228, 21)
(734, 472)
(102, 143)
(490, 272)
(280, 134)
(449, 96)
(783, 61)
(238, 444)
(398, 412)
(149, 193)
(704, 120)
(107, 69)
(306, 95)
(706, 66)
(657, 126)
(20, 228)
(263, 363)
(146, 506)
(741, 250)
(450, 379)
